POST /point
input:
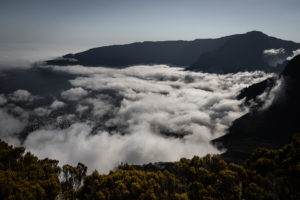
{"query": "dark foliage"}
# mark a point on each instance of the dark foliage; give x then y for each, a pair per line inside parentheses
(268, 174)
(23, 176)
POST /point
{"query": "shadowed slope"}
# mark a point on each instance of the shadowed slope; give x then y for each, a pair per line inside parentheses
(267, 127)
(244, 53)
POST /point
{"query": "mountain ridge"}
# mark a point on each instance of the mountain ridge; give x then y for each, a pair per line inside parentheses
(264, 126)
(221, 55)
(130, 54)
(245, 52)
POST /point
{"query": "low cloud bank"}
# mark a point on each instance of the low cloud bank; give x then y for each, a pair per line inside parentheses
(22, 96)
(74, 94)
(13, 64)
(295, 53)
(278, 56)
(105, 151)
(10, 127)
(274, 51)
(275, 57)
(3, 100)
(137, 115)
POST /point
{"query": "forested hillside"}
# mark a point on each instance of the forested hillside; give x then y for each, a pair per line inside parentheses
(268, 174)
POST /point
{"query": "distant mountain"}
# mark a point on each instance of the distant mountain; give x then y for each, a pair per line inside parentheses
(269, 127)
(180, 53)
(245, 52)
(241, 52)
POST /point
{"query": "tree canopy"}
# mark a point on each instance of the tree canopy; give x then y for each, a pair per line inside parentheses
(267, 174)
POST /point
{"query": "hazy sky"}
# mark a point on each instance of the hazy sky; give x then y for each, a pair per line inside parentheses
(54, 27)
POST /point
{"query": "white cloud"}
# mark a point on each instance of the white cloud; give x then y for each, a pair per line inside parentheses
(100, 107)
(40, 111)
(142, 114)
(81, 108)
(3, 100)
(274, 57)
(278, 56)
(10, 127)
(57, 104)
(274, 96)
(21, 96)
(295, 53)
(274, 51)
(65, 119)
(104, 151)
(74, 94)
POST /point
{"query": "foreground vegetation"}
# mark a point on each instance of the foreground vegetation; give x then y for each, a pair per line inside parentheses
(268, 174)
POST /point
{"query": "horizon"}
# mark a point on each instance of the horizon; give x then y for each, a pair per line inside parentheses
(193, 39)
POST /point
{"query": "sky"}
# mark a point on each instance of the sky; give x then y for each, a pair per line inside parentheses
(38, 28)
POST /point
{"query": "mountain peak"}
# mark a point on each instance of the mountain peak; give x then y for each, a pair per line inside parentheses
(255, 33)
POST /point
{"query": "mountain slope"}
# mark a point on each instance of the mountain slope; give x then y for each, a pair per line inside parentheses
(245, 53)
(264, 126)
(241, 52)
(181, 53)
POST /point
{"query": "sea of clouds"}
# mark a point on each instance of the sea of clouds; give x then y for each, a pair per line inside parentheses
(137, 115)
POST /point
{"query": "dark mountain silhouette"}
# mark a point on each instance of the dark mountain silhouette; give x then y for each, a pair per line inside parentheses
(245, 53)
(269, 127)
(226, 54)
(252, 92)
(181, 53)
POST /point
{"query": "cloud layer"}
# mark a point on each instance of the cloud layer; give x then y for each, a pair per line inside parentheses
(74, 94)
(21, 96)
(138, 115)
(275, 57)
(295, 53)
(274, 51)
